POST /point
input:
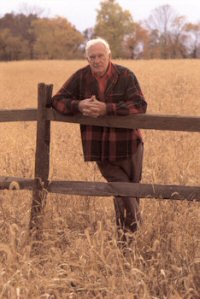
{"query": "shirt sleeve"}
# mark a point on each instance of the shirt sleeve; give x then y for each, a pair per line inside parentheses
(65, 100)
(133, 99)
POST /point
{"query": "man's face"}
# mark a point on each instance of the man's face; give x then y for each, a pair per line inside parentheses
(98, 58)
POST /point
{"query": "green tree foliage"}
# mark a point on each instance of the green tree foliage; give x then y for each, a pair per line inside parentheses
(56, 39)
(114, 24)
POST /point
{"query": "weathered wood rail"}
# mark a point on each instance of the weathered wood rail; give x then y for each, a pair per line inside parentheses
(142, 121)
(41, 184)
(175, 192)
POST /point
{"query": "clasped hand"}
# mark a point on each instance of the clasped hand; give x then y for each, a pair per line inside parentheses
(92, 107)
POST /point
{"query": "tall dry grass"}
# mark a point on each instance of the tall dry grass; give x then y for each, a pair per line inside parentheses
(78, 256)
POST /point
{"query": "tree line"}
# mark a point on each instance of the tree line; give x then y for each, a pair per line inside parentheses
(163, 35)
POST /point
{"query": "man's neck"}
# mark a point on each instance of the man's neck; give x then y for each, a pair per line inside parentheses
(101, 75)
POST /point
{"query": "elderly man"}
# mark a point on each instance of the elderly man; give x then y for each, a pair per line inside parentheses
(104, 88)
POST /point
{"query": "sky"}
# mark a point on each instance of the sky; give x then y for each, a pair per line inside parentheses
(82, 13)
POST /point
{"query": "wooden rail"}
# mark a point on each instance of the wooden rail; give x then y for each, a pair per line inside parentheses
(41, 184)
(143, 121)
(126, 189)
(175, 192)
(14, 183)
(18, 115)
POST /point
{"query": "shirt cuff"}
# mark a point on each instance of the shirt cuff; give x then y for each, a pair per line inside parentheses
(75, 106)
(111, 109)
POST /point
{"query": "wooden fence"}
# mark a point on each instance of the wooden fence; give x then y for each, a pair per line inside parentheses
(41, 184)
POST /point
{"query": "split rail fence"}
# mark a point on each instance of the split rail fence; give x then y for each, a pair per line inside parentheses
(41, 185)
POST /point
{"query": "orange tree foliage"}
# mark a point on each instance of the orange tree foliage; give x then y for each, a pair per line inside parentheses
(56, 38)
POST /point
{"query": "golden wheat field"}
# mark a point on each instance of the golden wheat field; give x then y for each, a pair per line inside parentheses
(79, 257)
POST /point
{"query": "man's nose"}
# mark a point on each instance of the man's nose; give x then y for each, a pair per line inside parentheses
(97, 58)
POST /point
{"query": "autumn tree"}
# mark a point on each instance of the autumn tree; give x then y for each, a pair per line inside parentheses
(193, 39)
(56, 38)
(135, 42)
(12, 47)
(114, 24)
(152, 46)
(177, 38)
(27, 10)
(20, 27)
(169, 29)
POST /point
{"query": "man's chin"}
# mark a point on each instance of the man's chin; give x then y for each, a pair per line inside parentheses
(99, 72)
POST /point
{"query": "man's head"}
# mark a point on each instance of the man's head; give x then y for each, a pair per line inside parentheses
(98, 55)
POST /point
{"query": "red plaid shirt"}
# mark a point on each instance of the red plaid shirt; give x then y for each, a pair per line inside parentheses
(122, 96)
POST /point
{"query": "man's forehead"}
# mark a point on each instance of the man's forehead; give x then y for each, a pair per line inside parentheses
(97, 47)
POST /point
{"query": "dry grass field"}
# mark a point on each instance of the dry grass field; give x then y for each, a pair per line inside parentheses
(79, 258)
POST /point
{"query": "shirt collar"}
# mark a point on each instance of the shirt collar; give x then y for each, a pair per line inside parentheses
(107, 74)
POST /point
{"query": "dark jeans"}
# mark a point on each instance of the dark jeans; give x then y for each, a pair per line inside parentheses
(126, 208)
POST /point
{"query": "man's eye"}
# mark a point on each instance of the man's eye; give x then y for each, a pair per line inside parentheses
(99, 56)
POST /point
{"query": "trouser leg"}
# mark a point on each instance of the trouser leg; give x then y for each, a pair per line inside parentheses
(126, 208)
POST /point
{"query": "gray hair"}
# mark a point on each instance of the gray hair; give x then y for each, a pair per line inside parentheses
(95, 41)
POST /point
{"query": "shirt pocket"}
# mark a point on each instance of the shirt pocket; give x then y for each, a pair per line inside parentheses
(116, 97)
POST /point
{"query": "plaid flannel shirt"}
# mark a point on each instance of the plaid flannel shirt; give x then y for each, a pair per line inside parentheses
(123, 96)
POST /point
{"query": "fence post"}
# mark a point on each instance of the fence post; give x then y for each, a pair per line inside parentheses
(41, 161)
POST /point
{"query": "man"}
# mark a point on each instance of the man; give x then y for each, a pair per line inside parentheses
(103, 88)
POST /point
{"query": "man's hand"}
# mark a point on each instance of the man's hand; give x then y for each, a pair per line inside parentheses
(92, 107)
